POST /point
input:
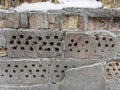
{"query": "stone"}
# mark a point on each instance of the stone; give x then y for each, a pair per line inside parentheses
(92, 44)
(35, 43)
(24, 71)
(84, 78)
(23, 20)
(99, 23)
(70, 22)
(116, 23)
(38, 21)
(52, 22)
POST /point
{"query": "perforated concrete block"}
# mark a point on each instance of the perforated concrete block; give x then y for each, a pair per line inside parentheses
(23, 71)
(38, 21)
(102, 23)
(92, 44)
(84, 78)
(35, 43)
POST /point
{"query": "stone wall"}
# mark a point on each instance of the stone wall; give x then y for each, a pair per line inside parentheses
(66, 49)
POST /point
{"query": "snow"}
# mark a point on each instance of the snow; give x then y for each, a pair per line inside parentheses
(45, 6)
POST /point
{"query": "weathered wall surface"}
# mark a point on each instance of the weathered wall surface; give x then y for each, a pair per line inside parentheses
(60, 50)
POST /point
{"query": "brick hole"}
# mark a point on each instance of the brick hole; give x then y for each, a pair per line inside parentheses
(78, 51)
(33, 65)
(62, 71)
(13, 37)
(86, 50)
(117, 64)
(16, 66)
(30, 70)
(21, 70)
(57, 75)
(110, 64)
(86, 42)
(107, 69)
(56, 49)
(18, 42)
(113, 45)
(42, 75)
(14, 71)
(116, 73)
(31, 49)
(65, 66)
(10, 76)
(26, 43)
(44, 43)
(40, 38)
(14, 48)
(58, 44)
(110, 39)
(44, 70)
(109, 74)
(104, 38)
(119, 69)
(8, 65)
(70, 50)
(51, 43)
(40, 48)
(21, 36)
(35, 42)
(29, 38)
(0, 48)
(114, 69)
(47, 49)
(6, 71)
(75, 44)
(55, 71)
(26, 75)
(37, 70)
(99, 45)
(11, 42)
(106, 45)
(40, 65)
(34, 76)
(55, 37)
(2, 75)
(97, 37)
(102, 23)
(57, 66)
(25, 66)
(72, 40)
(47, 37)
(22, 48)
(69, 45)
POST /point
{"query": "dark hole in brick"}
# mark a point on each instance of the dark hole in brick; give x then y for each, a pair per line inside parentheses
(114, 69)
(21, 36)
(42, 75)
(44, 70)
(109, 74)
(65, 66)
(55, 37)
(72, 40)
(26, 75)
(69, 45)
(14, 37)
(47, 37)
(16, 66)
(75, 44)
(6, 71)
(27, 43)
(2, 75)
(113, 45)
(106, 45)
(0, 48)
(37, 70)
(70, 50)
(86, 50)
(22, 48)
(104, 38)
(110, 39)
(40, 48)
(40, 65)
(55, 71)
(110, 64)
(14, 71)
(40, 38)
(18, 42)
(58, 44)
(116, 73)
(119, 69)
(33, 65)
(21, 70)
(11, 42)
(78, 51)
(99, 45)
(57, 66)
(62, 71)
(29, 37)
(31, 49)
(51, 43)
(10, 76)
(57, 75)
(30, 70)
(86, 42)
(14, 48)
(48, 49)
(8, 65)
(107, 69)
(117, 64)
(25, 66)
(97, 37)
(44, 43)
(56, 49)
(34, 76)
(35, 42)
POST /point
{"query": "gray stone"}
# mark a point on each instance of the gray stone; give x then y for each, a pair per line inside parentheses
(35, 43)
(92, 44)
(23, 20)
(84, 78)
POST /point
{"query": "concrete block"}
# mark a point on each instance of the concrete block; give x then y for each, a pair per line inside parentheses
(99, 23)
(84, 78)
(71, 22)
(35, 43)
(92, 44)
(9, 20)
(24, 71)
(115, 23)
(45, 87)
(38, 21)
(112, 69)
